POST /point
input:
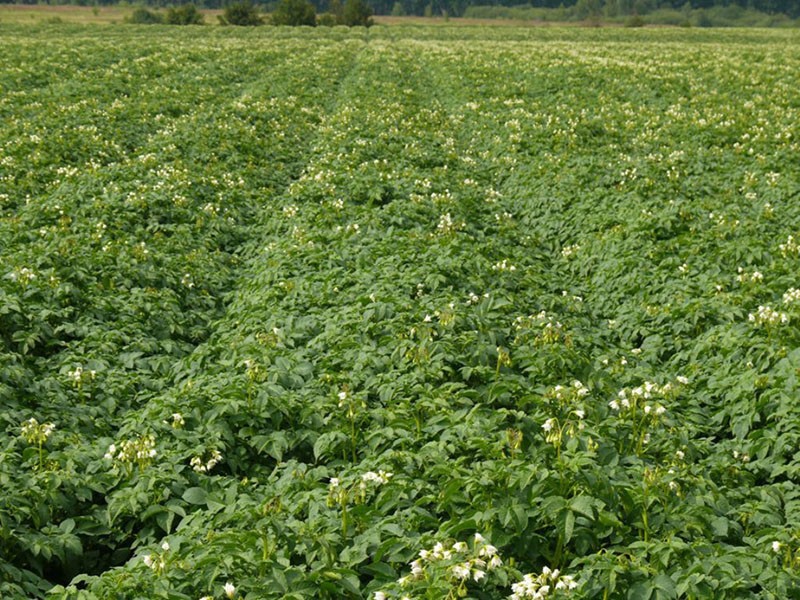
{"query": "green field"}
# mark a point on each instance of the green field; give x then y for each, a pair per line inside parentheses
(408, 312)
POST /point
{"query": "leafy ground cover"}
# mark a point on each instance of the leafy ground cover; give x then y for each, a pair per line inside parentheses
(423, 312)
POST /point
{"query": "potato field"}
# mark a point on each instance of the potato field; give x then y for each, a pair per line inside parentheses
(414, 312)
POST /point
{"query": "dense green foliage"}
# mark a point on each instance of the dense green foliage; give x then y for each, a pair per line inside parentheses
(294, 13)
(595, 11)
(335, 314)
(184, 14)
(353, 13)
(356, 13)
(144, 16)
(244, 14)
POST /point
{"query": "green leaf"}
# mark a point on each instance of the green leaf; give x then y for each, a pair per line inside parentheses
(642, 590)
(351, 584)
(520, 516)
(720, 527)
(326, 442)
(457, 526)
(67, 525)
(583, 505)
(569, 525)
(381, 570)
(666, 587)
(195, 495)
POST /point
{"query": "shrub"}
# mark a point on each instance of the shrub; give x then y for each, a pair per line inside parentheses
(587, 9)
(702, 19)
(634, 21)
(336, 9)
(356, 13)
(294, 12)
(143, 16)
(186, 14)
(327, 20)
(244, 14)
(668, 16)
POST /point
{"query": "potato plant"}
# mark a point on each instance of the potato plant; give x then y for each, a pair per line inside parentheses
(421, 313)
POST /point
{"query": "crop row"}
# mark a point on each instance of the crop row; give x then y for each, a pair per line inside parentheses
(128, 193)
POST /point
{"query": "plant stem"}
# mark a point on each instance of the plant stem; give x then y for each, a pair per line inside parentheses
(353, 436)
(645, 525)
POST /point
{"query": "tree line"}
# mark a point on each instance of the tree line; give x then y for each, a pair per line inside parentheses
(352, 13)
(790, 8)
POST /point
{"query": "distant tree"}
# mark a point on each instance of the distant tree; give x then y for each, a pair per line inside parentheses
(702, 19)
(356, 13)
(587, 9)
(186, 14)
(326, 20)
(142, 16)
(337, 10)
(244, 14)
(643, 7)
(294, 12)
(616, 8)
(626, 7)
(634, 21)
